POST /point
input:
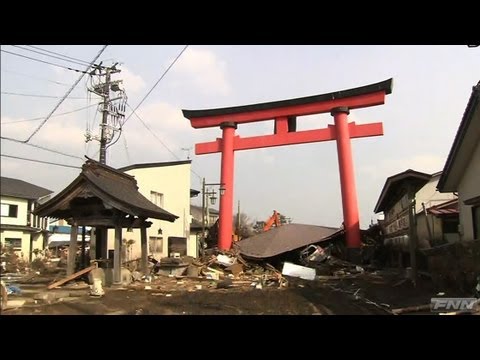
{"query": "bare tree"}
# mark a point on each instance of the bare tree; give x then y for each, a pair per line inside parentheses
(243, 226)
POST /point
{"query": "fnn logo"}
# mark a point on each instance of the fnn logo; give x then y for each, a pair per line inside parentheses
(449, 304)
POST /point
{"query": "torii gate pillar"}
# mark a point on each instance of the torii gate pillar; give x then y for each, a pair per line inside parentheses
(347, 178)
(226, 178)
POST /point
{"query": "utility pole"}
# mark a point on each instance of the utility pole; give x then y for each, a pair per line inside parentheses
(106, 102)
(112, 108)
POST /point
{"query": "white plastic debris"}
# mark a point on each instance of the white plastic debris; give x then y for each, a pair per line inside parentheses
(225, 260)
(302, 272)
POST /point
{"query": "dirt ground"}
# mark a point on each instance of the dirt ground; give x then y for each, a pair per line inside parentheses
(366, 294)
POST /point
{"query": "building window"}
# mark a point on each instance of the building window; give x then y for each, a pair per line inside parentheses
(155, 244)
(156, 198)
(450, 226)
(476, 221)
(14, 243)
(9, 210)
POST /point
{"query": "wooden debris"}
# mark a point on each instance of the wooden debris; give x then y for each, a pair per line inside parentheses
(235, 269)
(71, 277)
(410, 309)
(215, 270)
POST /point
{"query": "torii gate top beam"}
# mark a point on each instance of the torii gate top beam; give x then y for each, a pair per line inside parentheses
(364, 96)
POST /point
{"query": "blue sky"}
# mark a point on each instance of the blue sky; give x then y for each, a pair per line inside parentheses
(432, 85)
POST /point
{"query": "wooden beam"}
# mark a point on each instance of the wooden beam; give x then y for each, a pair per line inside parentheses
(72, 250)
(290, 138)
(71, 277)
(411, 309)
(143, 241)
(117, 256)
(319, 107)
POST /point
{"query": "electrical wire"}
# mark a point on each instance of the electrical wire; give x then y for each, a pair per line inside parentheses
(156, 137)
(41, 96)
(66, 95)
(40, 161)
(126, 148)
(40, 147)
(42, 61)
(161, 77)
(53, 56)
(43, 117)
(151, 132)
(65, 56)
(34, 77)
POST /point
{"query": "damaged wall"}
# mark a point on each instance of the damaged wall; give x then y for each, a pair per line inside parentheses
(455, 265)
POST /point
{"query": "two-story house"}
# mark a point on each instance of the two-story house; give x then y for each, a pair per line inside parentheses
(414, 208)
(167, 185)
(19, 228)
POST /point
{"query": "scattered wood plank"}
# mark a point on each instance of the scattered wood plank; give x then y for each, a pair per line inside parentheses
(215, 270)
(410, 309)
(241, 260)
(71, 277)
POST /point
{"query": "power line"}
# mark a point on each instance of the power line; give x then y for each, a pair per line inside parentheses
(150, 130)
(161, 77)
(42, 61)
(126, 148)
(156, 137)
(35, 77)
(66, 94)
(42, 117)
(40, 147)
(65, 56)
(40, 161)
(53, 56)
(41, 96)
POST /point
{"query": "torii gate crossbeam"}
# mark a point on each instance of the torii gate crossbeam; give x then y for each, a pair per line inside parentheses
(284, 113)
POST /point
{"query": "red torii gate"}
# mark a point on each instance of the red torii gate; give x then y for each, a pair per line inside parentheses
(285, 113)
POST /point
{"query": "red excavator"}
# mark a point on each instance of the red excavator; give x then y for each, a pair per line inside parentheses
(272, 220)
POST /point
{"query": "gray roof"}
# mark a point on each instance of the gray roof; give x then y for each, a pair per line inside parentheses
(284, 238)
(22, 189)
(110, 185)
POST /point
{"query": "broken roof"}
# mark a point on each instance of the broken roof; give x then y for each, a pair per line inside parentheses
(284, 238)
(395, 187)
(445, 209)
(111, 186)
(21, 189)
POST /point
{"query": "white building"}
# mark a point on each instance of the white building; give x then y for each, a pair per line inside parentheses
(19, 228)
(167, 185)
(462, 169)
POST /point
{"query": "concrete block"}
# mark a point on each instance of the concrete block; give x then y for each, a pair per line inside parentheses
(126, 276)
(98, 273)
